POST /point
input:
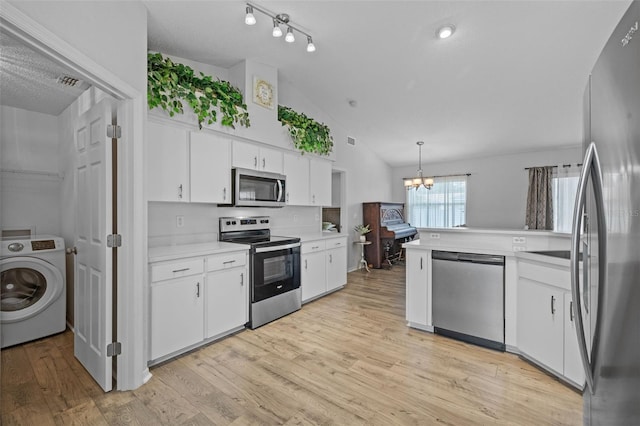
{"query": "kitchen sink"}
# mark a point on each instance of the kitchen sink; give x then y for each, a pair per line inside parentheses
(563, 254)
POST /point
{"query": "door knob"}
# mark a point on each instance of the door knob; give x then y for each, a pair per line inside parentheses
(71, 250)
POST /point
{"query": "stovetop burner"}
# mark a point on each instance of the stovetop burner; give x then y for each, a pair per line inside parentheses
(255, 231)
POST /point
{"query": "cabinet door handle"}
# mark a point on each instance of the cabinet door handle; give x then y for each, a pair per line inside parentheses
(553, 304)
(180, 192)
(315, 247)
(421, 264)
(180, 270)
(571, 311)
(228, 262)
(263, 163)
(198, 290)
(330, 259)
(287, 197)
(305, 264)
(224, 194)
(255, 161)
(241, 278)
(314, 198)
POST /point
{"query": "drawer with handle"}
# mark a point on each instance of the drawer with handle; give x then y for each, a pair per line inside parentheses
(226, 261)
(313, 246)
(175, 269)
(335, 243)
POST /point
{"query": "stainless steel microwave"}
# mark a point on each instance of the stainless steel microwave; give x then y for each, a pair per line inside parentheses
(258, 189)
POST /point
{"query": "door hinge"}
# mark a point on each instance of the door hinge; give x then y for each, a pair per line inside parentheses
(114, 131)
(114, 240)
(114, 349)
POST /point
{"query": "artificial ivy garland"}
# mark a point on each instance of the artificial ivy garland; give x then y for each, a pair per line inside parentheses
(170, 83)
(307, 134)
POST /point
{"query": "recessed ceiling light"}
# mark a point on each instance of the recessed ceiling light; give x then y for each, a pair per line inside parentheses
(446, 31)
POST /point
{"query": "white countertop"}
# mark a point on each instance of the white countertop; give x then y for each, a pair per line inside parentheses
(513, 231)
(415, 244)
(321, 236)
(558, 261)
(159, 254)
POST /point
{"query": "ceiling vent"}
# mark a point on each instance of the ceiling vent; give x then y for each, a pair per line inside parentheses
(351, 141)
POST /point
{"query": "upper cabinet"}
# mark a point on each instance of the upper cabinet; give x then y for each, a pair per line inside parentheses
(188, 166)
(320, 182)
(254, 157)
(296, 168)
(210, 169)
(168, 163)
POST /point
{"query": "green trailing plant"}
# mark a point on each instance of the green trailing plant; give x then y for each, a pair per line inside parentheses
(170, 83)
(307, 134)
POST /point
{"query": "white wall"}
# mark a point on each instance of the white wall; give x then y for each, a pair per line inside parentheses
(29, 142)
(497, 187)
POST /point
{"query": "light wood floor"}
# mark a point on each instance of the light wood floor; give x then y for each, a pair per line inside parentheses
(347, 359)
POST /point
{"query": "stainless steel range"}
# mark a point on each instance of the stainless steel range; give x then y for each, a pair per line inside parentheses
(274, 267)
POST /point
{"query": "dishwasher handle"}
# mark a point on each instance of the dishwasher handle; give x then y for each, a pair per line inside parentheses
(487, 259)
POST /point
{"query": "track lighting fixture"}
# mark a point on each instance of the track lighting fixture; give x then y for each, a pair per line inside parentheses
(278, 20)
(249, 19)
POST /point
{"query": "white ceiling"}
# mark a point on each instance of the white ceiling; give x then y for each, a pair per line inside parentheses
(29, 80)
(511, 79)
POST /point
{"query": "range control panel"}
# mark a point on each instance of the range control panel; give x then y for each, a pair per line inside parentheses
(244, 223)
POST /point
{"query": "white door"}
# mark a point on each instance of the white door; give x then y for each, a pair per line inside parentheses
(93, 267)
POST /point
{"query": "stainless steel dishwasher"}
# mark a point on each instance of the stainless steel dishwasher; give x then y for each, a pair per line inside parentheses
(468, 297)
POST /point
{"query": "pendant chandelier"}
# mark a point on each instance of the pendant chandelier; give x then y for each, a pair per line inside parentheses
(419, 181)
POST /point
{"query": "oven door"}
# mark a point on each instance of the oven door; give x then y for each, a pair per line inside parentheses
(276, 270)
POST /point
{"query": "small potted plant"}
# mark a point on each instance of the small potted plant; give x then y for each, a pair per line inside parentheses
(362, 230)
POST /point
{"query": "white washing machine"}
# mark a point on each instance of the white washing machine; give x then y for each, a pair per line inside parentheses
(33, 288)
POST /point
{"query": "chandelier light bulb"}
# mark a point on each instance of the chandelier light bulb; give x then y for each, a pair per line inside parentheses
(277, 32)
(310, 46)
(249, 19)
(289, 38)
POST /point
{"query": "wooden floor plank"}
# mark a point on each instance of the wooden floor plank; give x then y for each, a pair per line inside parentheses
(347, 358)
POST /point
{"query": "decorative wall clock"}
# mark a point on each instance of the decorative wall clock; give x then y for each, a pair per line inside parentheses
(262, 92)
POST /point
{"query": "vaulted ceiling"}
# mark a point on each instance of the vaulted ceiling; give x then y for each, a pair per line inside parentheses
(510, 79)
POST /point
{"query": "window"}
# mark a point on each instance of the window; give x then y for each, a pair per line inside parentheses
(443, 206)
(564, 185)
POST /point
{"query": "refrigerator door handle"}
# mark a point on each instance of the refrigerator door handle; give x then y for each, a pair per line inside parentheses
(591, 168)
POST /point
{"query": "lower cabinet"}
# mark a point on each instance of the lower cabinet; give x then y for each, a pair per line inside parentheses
(546, 327)
(417, 273)
(227, 300)
(323, 267)
(195, 299)
(177, 309)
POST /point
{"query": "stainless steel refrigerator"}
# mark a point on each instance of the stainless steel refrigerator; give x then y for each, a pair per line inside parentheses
(606, 229)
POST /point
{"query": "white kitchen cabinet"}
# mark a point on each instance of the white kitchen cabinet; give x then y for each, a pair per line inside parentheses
(417, 285)
(177, 308)
(255, 157)
(227, 301)
(296, 169)
(336, 259)
(541, 323)
(324, 266)
(319, 182)
(167, 163)
(573, 369)
(210, 168)
(313, 277)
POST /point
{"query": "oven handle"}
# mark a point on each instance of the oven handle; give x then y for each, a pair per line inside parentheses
(276, 248)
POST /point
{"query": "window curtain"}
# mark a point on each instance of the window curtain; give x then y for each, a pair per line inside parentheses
(540, 198)
(565, 186)
(443, 206)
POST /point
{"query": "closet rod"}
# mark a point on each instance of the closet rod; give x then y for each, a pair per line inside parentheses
(33, 172)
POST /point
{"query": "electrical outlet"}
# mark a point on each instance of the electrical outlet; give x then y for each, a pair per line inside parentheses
(179, 221)
(519, 240)
(519, 248)
(295, 217)
(435, 236)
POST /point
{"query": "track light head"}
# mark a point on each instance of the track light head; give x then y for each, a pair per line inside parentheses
(249, 19)
(310, 46)
(289, 38)
(277, 32)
